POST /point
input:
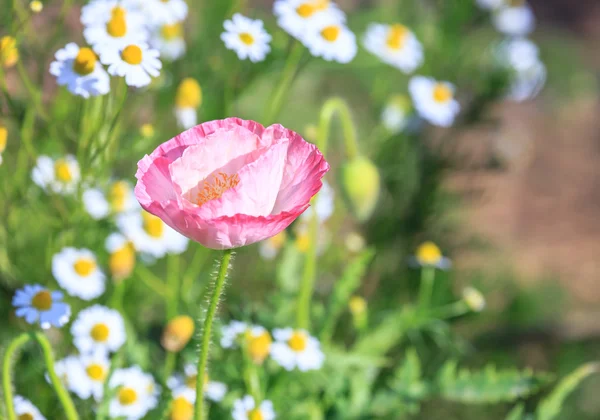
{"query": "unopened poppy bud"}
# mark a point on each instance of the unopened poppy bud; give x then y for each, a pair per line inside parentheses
(474, 299)
(177, 333)
(360, 184)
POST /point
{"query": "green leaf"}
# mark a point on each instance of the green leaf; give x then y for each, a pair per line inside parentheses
(517, 413)
(550, 406)
(408, 382)
(488, 385)
(383, 337)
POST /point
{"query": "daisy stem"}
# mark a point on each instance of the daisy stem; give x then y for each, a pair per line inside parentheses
(426, 287)
(9, 355)
(451, 310)
(61, 392)
(206, 332)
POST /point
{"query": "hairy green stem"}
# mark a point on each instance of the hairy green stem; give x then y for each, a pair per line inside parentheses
(426, 287)
(206, 332)
(9, 355)
(61, 392)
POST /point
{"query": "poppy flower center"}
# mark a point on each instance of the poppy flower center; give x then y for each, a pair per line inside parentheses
(117, 25)
(84, 266)
(85, 61)
(95, 371)
(62, 171)
(298, 341)
(118, 193)
(42, 301)
(428, 253)
(181, 409)
(397, 36)
(216, 186)
(259, 346)
(132, 54)
(100, 332)
(153, 225)
(246, 38)
(25, 416)
(170, 32)
(441, 93)
(331, 33)
(127, 396)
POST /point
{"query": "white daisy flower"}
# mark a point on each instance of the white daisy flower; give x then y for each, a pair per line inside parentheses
(36, 303)
(186, 384)
(162, 12)
(395, 45)
(65, 369)
(137, 394)
(95, 203)
(98, 328)
(324, 207)
(395, 114)
(122, 29)
(257, 339)
(515, 18)
(25, 410)
(326, 37)
(433, 100)
(269, 248)
(231, 333)
(490, 4)
(247, 37)
(150, 235)
(526, 84)
(187, 100)
(296, 349)
(294, 16)
(246, 409)
(80, 71)
(429, 254)
(168, 40)
(76, 271)
(101, 11)
(119, 199)
(136, 62)
(88, 380)
(60, 176)
(521, 56)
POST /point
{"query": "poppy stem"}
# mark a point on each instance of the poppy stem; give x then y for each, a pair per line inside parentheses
(206, 332)
(9, 355)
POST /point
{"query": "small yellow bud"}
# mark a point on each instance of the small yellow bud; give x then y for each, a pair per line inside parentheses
(36, 6)
(357, 305)
(9, 55)
(3, 138)
(122, 262)
(189, 94)
(177, 333)
(474, 299)
(428, 253)
(360, 184)
(147, 130)
(181, 409)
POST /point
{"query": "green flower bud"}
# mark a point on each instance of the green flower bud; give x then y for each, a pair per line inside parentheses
(360, 186)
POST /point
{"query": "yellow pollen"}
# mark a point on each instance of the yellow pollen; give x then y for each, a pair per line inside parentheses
(84, 266)
(25, 416)
(122, 261)
(132, 54)
(259, 346)
(189, 94)
(96, 372)
(246, 38)
(170, 32)
(118, 11)
(9, 55)
(298, 341)
(119, 191)
(117, 25)
(397, 36)
(331, 33)
(255, 414)
(442, 93)
(216, 187)
(428, 253)
(62, 171)
(42, 301)
(127, 396)
(181, 409)
(153, 225)
(3, 138)
(100, 332)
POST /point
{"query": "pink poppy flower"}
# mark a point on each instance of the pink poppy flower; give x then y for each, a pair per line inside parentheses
(230, 183)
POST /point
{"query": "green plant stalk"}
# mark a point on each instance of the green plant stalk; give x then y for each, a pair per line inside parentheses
(332, 107)
(149, 279)
(173, 285)
(206, 332)
(251, 375)
(426, 287)
(12, 348)
(450, 311)
(61, 392)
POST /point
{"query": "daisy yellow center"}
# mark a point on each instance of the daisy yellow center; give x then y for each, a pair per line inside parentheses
(42, 301)
(397, 36)
(190, 381)
(118, 194)
(62, 171)
(3, 138)
(189, 94)
(255, 414)
(153, 225)
(117, 25)
(308, 9)
(84, 266)
(127, 396)
(331, 33)
(298, 341)
(259, 346)
(96, 372)
(428, 253)
(442, 93)
(170, 32)
(25, 416)
(132, 54)
(181, 409)
(121, 262)
(246, 38)
(118, 11)
(85, 62)
(100, 332)
(214, 188)
(9, 55)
